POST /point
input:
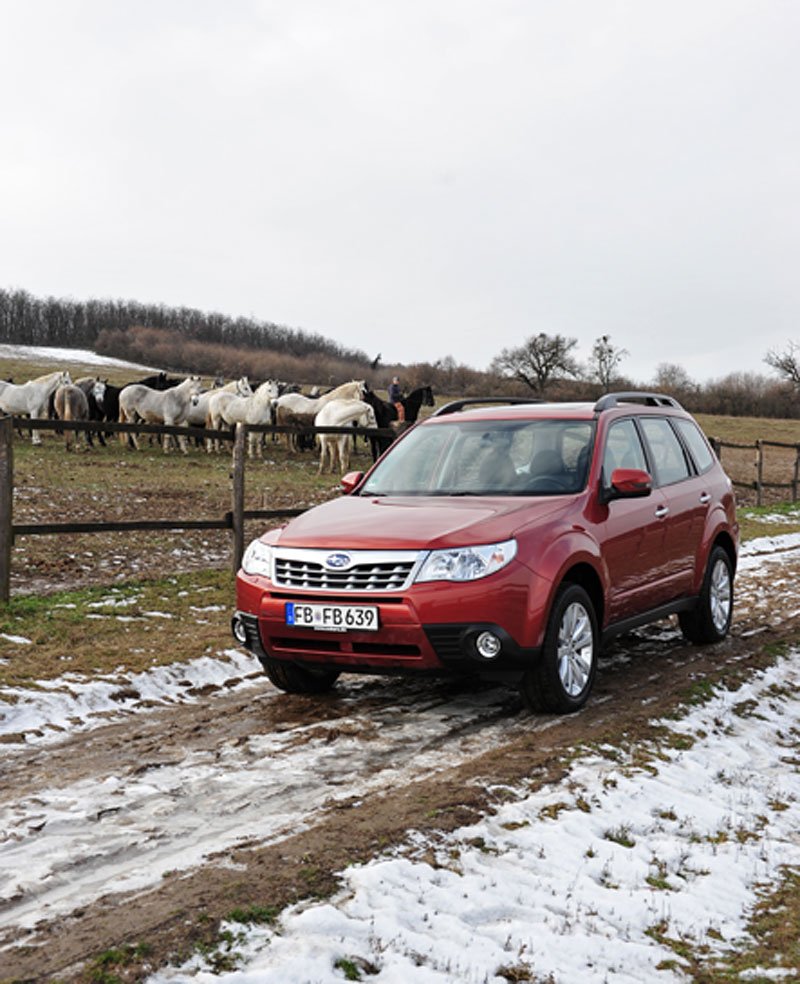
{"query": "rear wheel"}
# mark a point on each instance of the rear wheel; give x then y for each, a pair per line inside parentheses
(562, 679)
(295, 679)
(711, 618)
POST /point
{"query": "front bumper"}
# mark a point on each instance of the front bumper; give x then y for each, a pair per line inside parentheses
(423, 630)
(440, 649)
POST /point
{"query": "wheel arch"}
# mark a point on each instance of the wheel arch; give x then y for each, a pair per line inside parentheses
(587, 577)
(725, 540)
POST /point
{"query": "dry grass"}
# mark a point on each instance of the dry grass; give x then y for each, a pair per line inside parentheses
(115, 484)
(740, 464)
(770, 950)
(774, 930)
(747, 430)
(127, 628)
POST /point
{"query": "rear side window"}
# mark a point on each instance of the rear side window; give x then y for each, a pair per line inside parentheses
(696, 443)
(666, 453)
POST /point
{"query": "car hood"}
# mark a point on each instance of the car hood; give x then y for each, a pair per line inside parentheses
(412, 523)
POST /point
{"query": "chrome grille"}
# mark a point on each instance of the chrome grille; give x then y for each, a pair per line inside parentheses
(367, 571)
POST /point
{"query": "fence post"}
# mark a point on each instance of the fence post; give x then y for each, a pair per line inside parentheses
(796, 476)
(237, 497)
(759, 470)
(6, 505)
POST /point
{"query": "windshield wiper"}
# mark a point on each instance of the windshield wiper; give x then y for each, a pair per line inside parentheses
(456, 492)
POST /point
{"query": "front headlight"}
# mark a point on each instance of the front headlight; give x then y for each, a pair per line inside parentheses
(467, 563)
(258, 559)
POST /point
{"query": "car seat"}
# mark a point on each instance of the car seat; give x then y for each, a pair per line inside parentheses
(497, 471)
(547, 464)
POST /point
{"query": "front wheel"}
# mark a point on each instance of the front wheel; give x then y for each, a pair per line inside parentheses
(562, 679)
(710, 620)
(295, 679)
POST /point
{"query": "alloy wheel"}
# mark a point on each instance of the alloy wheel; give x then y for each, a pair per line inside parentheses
(575, 649)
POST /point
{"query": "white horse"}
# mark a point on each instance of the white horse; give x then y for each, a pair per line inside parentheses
(341, 413)
(32, 398)
(227, 409)
(198, 411)
(169, 407)
(294, 408)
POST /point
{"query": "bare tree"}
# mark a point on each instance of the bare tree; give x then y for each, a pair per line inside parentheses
(674, 380)
(541, 359)
(787, 363)
(605, 361)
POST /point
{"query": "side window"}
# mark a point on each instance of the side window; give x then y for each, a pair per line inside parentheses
(666, 452)
(623, 449)
(698, 448)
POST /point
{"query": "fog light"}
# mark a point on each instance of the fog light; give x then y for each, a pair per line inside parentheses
(239, 630)
(488, 645)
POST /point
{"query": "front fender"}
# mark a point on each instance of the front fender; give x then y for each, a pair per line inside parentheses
(572, 548)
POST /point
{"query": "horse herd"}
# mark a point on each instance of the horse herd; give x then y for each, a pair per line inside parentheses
(177, 402)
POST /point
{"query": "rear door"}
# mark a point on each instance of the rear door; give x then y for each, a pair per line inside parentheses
(682, 490)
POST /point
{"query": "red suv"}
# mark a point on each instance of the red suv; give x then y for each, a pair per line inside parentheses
(507, 541)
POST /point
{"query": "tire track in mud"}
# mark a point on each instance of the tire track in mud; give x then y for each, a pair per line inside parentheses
(250, 780)
(165, 798)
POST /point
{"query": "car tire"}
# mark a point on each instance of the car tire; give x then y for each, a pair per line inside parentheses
(295, 679)
(710, 620)
(562, 678)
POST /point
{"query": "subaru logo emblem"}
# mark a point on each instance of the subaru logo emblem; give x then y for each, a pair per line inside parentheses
(337, 560)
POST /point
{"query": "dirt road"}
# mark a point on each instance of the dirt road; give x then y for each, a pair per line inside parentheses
(153, 827)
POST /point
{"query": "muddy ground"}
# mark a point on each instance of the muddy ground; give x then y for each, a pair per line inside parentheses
(359, 769)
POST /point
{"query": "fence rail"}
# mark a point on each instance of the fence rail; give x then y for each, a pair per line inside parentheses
(232, 520)
(758, 483)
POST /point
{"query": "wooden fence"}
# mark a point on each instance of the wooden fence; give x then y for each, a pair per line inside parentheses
(758, 483)
(232, 520)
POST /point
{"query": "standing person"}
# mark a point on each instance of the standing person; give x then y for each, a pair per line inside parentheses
(395, 397)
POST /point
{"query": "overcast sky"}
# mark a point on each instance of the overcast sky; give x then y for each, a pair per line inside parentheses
(416, 178)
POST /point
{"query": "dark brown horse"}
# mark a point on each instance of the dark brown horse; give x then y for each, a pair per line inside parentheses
(386, 414)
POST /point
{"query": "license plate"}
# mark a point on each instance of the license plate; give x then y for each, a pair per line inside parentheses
(332, 618)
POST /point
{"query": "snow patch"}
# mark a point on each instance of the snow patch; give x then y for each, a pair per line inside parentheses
(578, 880)
(82, 356)
(72, 702)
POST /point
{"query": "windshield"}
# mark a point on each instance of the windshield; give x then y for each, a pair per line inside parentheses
(496, 457)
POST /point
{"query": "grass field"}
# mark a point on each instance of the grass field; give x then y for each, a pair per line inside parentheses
(113, 483)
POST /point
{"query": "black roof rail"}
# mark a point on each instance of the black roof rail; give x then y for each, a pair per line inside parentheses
(468, 401)
(648, 399)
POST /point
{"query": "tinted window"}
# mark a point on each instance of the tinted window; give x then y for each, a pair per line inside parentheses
(623, 449)
(698, 448)
(666, 453)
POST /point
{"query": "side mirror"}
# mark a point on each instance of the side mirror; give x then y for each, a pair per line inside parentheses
(350, 481)
(629, 483)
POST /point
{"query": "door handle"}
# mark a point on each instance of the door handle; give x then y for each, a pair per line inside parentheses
(705, 498)
(661, 512)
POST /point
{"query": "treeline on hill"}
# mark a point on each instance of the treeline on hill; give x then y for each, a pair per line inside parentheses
(28, 320)
(737, 394)
(182, 340)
